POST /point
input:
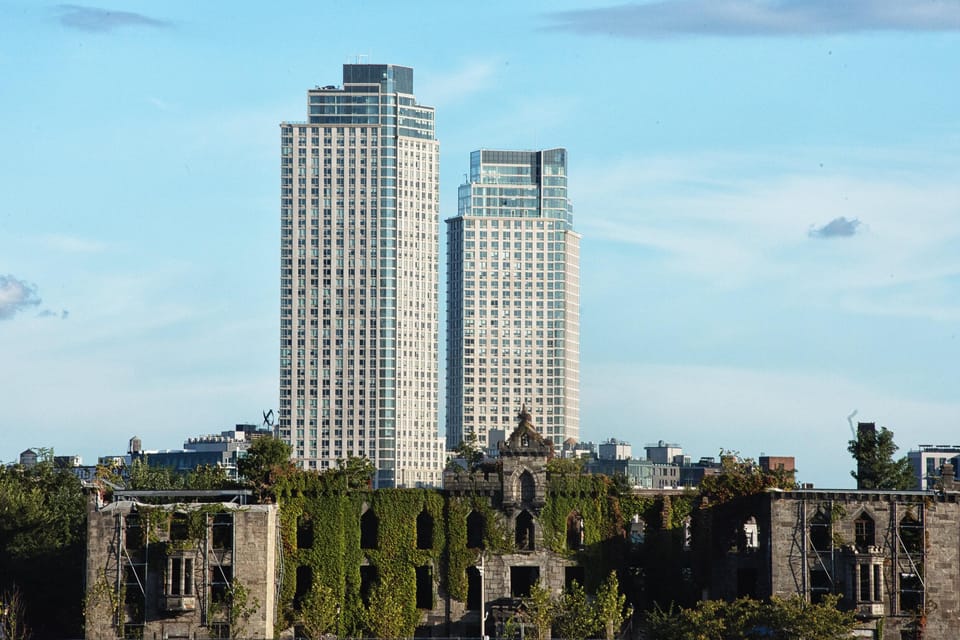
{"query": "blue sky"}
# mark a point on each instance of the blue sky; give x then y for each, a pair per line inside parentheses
(768, 192)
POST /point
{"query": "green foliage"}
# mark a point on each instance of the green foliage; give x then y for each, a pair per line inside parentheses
(609, 607)
(42, 533)
(574, 619)
(470, 451)
(779, 619)
(741, 477)
(318, 615)
(332, 505)
(143, 477)
(565, 466)
(392, 614)
(265, 459)
(238, 607)
(540, 610)
(876, 469)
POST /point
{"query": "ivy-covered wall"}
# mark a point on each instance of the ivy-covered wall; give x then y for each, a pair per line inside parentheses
(336, 555)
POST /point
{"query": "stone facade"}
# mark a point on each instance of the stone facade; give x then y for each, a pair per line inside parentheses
(168, 570)
(891, 555)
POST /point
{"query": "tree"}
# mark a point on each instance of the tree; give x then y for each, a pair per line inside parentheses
(574, 618)
(470, 451)
(540, 610)
(876, 469)
(609, 607)
(265, 458)
(13, 615)
(42, 533)
(780, 619)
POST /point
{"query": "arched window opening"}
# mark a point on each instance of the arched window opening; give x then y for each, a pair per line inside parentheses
(369, 530)
(368, 578)
(820, 534)
(911, 535)
(863, 532)
(424, 530)
(304, 582)
(528, 488)
(304, 532)
(476, 530)
(575, 533)
(524, 531)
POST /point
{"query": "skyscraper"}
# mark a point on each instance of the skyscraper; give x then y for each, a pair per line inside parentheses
(513, 298)
(359, 278)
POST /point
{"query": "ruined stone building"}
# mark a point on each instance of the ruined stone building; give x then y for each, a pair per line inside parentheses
(891, 555)
(186, 564)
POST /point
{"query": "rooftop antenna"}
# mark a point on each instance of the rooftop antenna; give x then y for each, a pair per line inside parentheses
(853, 432)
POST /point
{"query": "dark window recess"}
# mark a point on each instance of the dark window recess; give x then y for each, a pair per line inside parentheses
(573, 574)
(911, 535)
(820, 537)
(424, 530)
(304, 532)
(746, 583)
(302, 586)
(220, 578)
(178, 527)
(521, 579)
(476, 530)
(369, 530)
(574, 531)
(424, 587)
(864, 583)
(473, 589)
(524, 535)
(222, 534)
(911, 593)
(368, 578)
(134, 533)
(863, 532)
(528, 488)
(820, 585)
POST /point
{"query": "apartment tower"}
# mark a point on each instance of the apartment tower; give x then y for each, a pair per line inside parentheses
(359, 278)
(513, 299)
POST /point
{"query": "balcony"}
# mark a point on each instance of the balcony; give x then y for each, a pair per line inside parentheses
(179, 604)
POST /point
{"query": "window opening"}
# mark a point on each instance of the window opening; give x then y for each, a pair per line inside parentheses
(222, 535)
(864, 535)
(522, 579)
(369, 530)
(524, 534)
(424, 587)
(575, 531)
(304, 532)
(476, 530)
(424, 530)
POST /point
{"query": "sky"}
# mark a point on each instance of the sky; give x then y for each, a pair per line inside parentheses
(768, 194)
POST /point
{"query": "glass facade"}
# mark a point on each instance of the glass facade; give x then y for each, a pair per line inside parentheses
(513, 298)
(359, 278)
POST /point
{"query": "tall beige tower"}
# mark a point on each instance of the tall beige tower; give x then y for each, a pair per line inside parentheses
(359, 278)
(513, 298)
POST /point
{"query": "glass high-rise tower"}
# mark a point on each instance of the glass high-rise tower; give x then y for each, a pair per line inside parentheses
(359, 277)
(513, 298)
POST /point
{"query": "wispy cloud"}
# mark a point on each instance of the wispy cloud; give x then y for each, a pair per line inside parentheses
(738, 18)
(73, 244)
(15, 296)
(97, 20)
(837, 228)
(50, 313)
(447, 87)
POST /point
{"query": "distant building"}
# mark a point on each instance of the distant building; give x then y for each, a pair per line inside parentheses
(663, 452)
(614, 449)
(928, 460)
(28, 458)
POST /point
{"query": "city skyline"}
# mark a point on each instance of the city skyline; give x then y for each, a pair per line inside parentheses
(772, 194)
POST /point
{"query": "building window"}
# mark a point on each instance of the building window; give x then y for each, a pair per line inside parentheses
(522, 579)
(304, 532)
(424, 587)
(863, 532)
(179, 576)
(476, 530)
(524, 534)
(369, 530)
(222, 534)
(424, 530)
